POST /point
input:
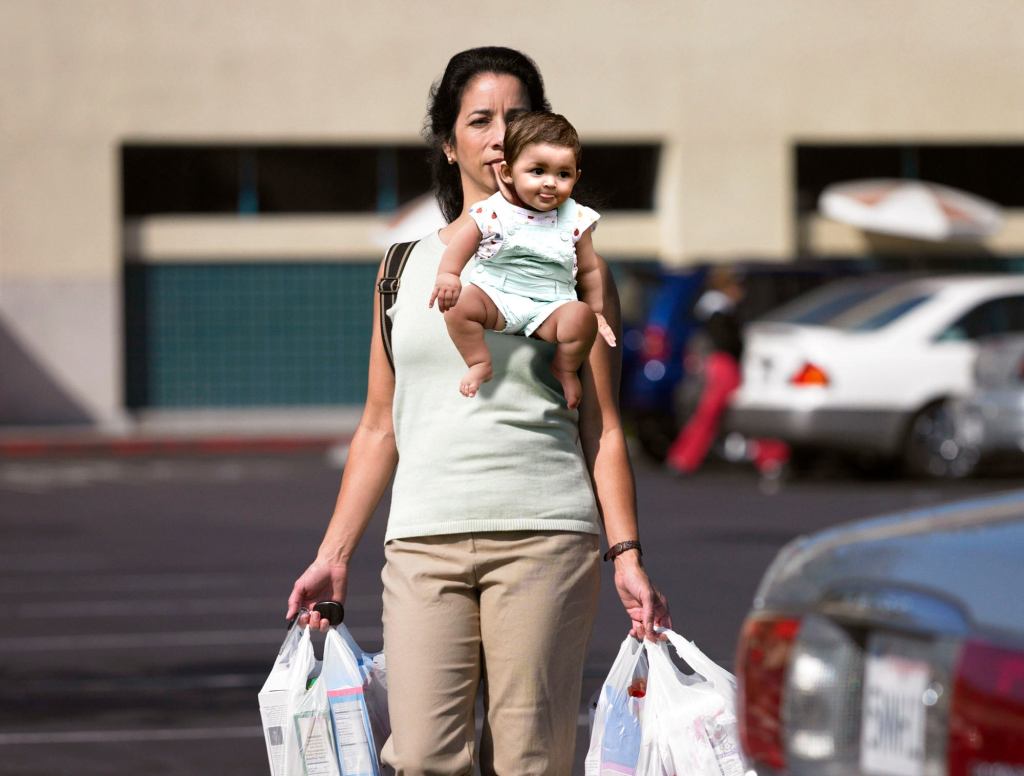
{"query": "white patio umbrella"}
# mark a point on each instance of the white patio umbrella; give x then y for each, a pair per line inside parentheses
(413, 220)
(910, 208)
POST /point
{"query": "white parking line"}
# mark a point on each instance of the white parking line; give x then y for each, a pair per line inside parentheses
(45, 562)
(160, 734)
(130, 583)
(144, 685)
(65, 609)
(64, 642)
(126, 608)
(126, 736)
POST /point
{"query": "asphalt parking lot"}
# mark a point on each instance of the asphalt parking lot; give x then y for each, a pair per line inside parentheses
(142, 600)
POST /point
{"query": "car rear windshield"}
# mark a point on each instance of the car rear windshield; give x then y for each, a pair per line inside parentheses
(821, 306)
(878, 312)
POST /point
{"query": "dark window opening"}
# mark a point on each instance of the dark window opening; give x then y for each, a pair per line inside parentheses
(253, 179)
(619, 177)
(188, 179)
(990, 171)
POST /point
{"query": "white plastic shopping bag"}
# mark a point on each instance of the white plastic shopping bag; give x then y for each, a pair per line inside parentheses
(325, 717)
(274, 702)
(309, 738)
(689, 722)
(353, 684)
(373, 669)
(615, 735)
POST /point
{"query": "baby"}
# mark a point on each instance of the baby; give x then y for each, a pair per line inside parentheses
(531, 246)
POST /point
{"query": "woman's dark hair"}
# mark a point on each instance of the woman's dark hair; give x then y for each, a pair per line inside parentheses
(444, 103)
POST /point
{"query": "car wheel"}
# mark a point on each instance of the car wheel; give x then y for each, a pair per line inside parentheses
(938, 444)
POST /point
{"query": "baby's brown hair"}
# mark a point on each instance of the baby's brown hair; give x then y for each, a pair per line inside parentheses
(540, 127)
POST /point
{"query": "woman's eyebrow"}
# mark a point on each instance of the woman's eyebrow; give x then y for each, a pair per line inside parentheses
(481, 112)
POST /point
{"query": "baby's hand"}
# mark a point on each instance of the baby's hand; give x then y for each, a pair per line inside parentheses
(605, 330)
(447, 288)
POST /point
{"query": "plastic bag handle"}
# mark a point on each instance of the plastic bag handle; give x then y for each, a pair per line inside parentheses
(663, 685)
(722, 680)
(303, 661)
(290, 643)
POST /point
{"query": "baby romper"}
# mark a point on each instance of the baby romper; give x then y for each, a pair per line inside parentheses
(526, 261)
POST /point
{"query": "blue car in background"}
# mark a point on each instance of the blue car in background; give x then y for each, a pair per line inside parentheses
(658, 390)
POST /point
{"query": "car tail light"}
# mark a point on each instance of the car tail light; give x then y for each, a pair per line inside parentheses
(765, 645)
(810, 374)
(986, 718)
(821, 706)
(655, 343)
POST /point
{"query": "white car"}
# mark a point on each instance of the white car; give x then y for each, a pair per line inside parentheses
(992, 417)
(872, 366)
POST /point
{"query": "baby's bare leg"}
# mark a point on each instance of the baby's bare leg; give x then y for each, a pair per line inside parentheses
(466, 322)
(572, 327)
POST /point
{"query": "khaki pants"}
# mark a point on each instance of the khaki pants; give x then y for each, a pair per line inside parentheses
(510, 610)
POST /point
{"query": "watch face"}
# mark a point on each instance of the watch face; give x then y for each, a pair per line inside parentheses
(331, 611)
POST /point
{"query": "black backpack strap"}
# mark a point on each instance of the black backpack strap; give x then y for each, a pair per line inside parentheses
(391, 278)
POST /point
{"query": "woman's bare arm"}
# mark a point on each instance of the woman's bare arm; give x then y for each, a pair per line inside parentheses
(604, 447)
(372, 458)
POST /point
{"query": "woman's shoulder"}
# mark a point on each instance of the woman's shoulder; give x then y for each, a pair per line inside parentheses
(429, 242)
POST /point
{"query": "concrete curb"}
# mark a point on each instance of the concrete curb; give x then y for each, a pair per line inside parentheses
(191, 432)
(125, 446)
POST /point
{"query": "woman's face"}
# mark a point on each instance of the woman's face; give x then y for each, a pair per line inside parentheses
(488, 102)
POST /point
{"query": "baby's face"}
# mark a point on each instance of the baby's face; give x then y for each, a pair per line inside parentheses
(543, 175)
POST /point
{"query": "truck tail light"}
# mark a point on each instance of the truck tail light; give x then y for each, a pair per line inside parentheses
(761, 662)
(810, 374)
(986, 716)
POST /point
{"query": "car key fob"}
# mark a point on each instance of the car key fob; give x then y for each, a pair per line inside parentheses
(331, 611)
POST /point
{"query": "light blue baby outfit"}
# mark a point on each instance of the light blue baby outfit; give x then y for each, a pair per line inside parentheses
(526, 262)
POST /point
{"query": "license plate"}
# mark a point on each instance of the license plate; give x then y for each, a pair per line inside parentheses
(893, 716)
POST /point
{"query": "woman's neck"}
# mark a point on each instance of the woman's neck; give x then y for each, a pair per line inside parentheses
(470, 193)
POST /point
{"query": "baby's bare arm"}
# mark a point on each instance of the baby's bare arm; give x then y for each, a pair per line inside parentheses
(460, 250)
(590, 283)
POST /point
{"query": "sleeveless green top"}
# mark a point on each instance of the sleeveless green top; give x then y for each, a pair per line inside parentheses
(508, 459)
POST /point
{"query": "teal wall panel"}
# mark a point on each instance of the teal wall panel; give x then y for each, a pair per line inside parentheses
(243, 335)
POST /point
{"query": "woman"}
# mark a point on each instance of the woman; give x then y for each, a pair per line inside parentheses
(491, 571)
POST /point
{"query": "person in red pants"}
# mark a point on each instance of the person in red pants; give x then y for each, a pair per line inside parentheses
(716, 309)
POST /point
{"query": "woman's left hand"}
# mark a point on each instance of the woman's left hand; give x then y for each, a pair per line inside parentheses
(644, 603)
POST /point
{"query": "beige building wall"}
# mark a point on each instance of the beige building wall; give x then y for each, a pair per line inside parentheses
(727, 87)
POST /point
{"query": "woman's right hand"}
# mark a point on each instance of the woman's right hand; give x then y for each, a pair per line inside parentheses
(322, 581)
